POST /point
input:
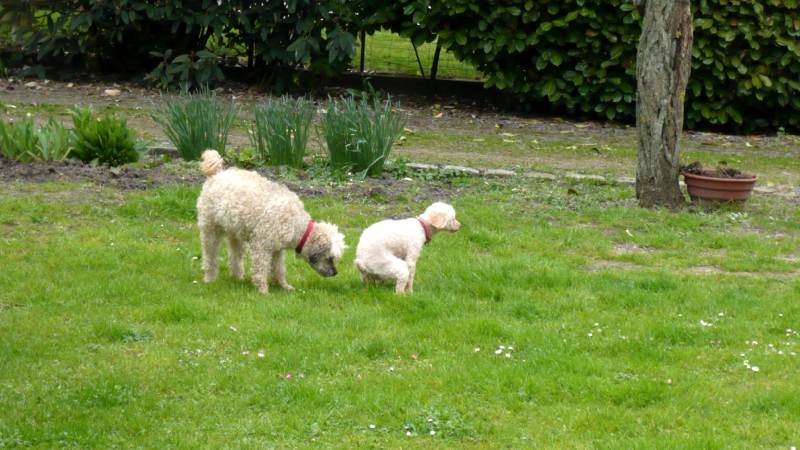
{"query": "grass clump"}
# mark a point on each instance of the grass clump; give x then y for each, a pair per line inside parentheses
(196, 122)
(24, 141)
(107, 140)
(281, 131)
(360, 134)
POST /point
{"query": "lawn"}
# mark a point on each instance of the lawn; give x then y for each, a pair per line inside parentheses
(390, 53)
(629, 327)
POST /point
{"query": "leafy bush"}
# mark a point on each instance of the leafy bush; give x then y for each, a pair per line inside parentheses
(187, 71)
(106, 140)
(360, 134)
(281, 130)
(197, 122)
(129, 36)
(581, 56)
(23, 141)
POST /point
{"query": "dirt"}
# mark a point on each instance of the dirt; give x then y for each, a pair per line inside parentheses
(696, 168)
(125, 178)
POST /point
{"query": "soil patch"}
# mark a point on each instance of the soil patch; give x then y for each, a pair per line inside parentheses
(696, 168)
(125, 178)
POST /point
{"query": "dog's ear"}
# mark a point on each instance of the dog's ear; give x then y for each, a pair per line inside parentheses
(438, 219)
(337, 245)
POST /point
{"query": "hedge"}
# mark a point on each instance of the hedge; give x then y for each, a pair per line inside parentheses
(577, 55)
(580, 55)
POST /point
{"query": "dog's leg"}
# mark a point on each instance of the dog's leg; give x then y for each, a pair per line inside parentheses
(279, 270)
(262, 261)
(209, 239)
(412, 270)
(400, 271)
(236, 257)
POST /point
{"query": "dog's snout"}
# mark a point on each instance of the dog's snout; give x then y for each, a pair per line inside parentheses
(332, 272)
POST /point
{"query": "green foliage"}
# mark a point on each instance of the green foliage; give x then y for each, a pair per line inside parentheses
(173, 41)
(360, 134)
(281, 130)
(24, 141)
(107, 140)
(197, 122)
(188, 71)
(581, 56)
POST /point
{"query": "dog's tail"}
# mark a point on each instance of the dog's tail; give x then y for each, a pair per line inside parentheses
(211, 163)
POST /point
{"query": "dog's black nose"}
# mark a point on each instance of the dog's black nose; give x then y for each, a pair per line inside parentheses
(333, 272)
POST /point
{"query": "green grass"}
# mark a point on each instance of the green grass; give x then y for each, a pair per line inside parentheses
(108, 340)
(388, 52)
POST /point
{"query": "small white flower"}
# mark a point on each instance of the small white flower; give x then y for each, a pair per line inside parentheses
(391, 368)
(508, 355)
(371, 426)
(233, 328)
(590, 334)
(755, 369)
(433, 432)
(477, 349)
(721, 314)
(194, 281)
(245, 353)
(408, 433)
(596, 324)
(261, 353)
(510, 348)
(741, 354)
(502, 347)
(498, 351)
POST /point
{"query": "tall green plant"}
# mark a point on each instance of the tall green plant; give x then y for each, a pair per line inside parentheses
(23, 141)
(281, 130)
(360, 134)
(197, 122)
(107, 140)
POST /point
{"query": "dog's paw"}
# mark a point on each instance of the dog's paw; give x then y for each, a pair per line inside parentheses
(288, 287)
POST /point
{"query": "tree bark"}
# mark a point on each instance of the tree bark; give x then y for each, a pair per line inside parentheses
(663, 63)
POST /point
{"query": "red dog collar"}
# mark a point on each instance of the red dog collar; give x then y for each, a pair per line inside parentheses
(303, 240)
(427, 229)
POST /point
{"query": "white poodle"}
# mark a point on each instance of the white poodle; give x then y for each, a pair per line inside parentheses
(263, 217)
(388, 250)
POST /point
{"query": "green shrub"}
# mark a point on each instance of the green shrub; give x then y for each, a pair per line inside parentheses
(580, 56)
(106, 140)
(23, 141)
(360, 134)
(281, 130)
(179, 42)
(197, 122)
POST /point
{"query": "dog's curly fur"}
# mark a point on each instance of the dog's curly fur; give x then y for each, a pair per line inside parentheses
(388, 250)
(260, 216)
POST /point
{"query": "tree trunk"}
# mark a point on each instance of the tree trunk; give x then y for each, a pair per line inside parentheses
(663, 63)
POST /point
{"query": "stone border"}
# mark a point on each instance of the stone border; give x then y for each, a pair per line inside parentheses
(504, 173)
(786, 191)
(782, 190)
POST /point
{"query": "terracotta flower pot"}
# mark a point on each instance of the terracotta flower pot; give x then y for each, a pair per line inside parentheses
(718, 189)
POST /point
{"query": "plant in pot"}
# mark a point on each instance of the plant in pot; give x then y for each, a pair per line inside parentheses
(723, 184)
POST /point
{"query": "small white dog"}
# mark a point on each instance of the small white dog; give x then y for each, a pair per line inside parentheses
(388, 250)
(264, 217)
